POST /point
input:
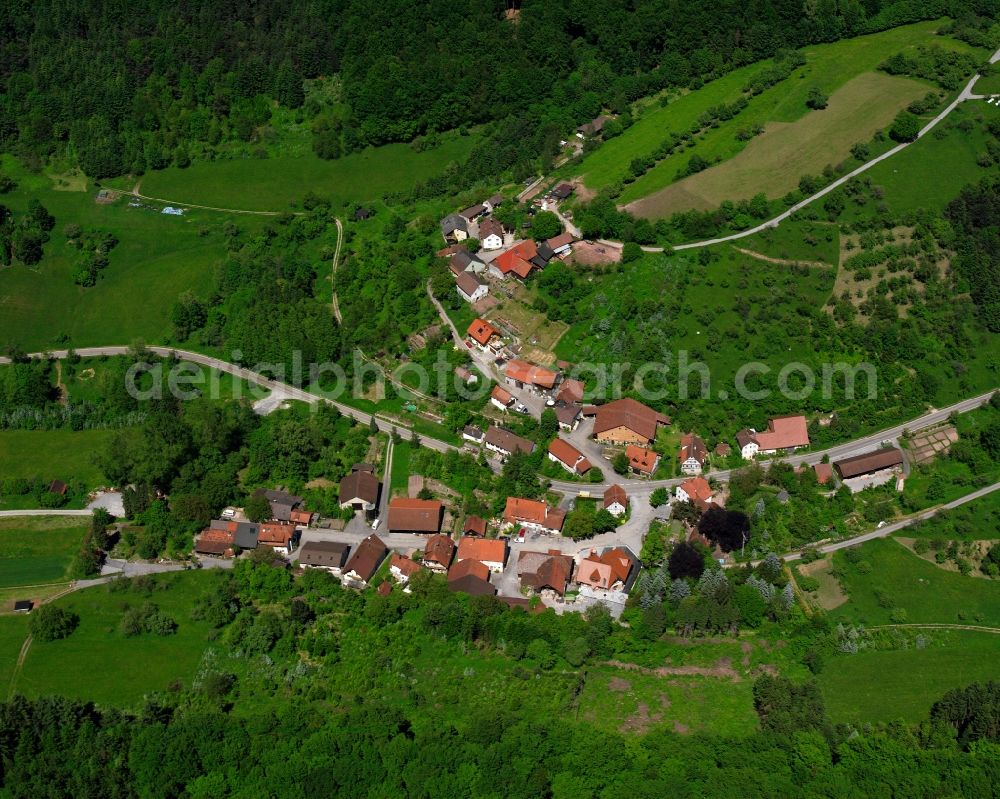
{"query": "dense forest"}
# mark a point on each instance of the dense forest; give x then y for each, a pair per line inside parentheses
(316, 691)
(133, 86)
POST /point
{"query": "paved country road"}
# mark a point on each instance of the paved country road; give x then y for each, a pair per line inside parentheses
(633, 486)
(895, 527)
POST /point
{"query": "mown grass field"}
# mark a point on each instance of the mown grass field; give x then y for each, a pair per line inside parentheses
(38, 550)
(97, 662)
(900, 579)
(829, 67)
(158, 257)
(271, 184)
(904, 683)
(52, 454)
(773, 162)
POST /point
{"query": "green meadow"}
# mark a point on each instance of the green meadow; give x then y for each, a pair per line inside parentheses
(38, 550)
(888, 576)
(271, 184)
(796, 240)
(874, 686)
(98, 662)
(52, 454)
(829, 67)
(157, 258)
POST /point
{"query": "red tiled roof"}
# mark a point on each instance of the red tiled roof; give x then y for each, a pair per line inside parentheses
(214, 542)
(722, 449)
(570, 391)
(615, 494)
(415, 515)
(561, 240)
(525, 372)
(482, 549)
(502, 395)
(482, 331)
(366, 558)
(641, 459)
(532, 511)
(517, 259)
(405, 565)
(439, 549)
(545, 570)
(698, 489)
(275, 534)
(824, 471)
(467, 568)
(300, 516)
(469, 282)
(783, 432)
(629, 413)
(475, 525)
(565, 452)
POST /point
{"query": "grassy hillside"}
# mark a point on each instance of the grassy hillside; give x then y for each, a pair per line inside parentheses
(157, 258)
(856, 106)
(100, 663)
(271, 184)
(904, 683)
(50, 454)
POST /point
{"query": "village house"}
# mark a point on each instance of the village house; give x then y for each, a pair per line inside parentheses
(329, 555)
(824, 473)
(217, 543)
(568, 417)
(534, 515)
(641, 460)
(365, 561)
(515, 261)
(545, 571)
(491, 552)
(562, 244)
(282, 503)
(562, 191)
(493, 202)
(869, 463)
(722, 449)
(608, 571)
(568, 456)
(490, 234)
(501, 398)
(570, 391)
(471, 287)
(522, 374)
(505, 443)
(594, 127)
(280, 536)
(484, 335)
(784, 433)
(415, 515)
(615, 500)
(474, 525)
(466, 375)
(464, 261)
(693, 454)
(438, 552)
(625, 421)
(473, 212)
(359, 491)
(695, 490)
(454, 228)
(470, 577)
(403, 568)
(473, 434)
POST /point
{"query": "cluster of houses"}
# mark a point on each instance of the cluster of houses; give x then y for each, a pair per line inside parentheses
(227, 537)
(499, 256)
